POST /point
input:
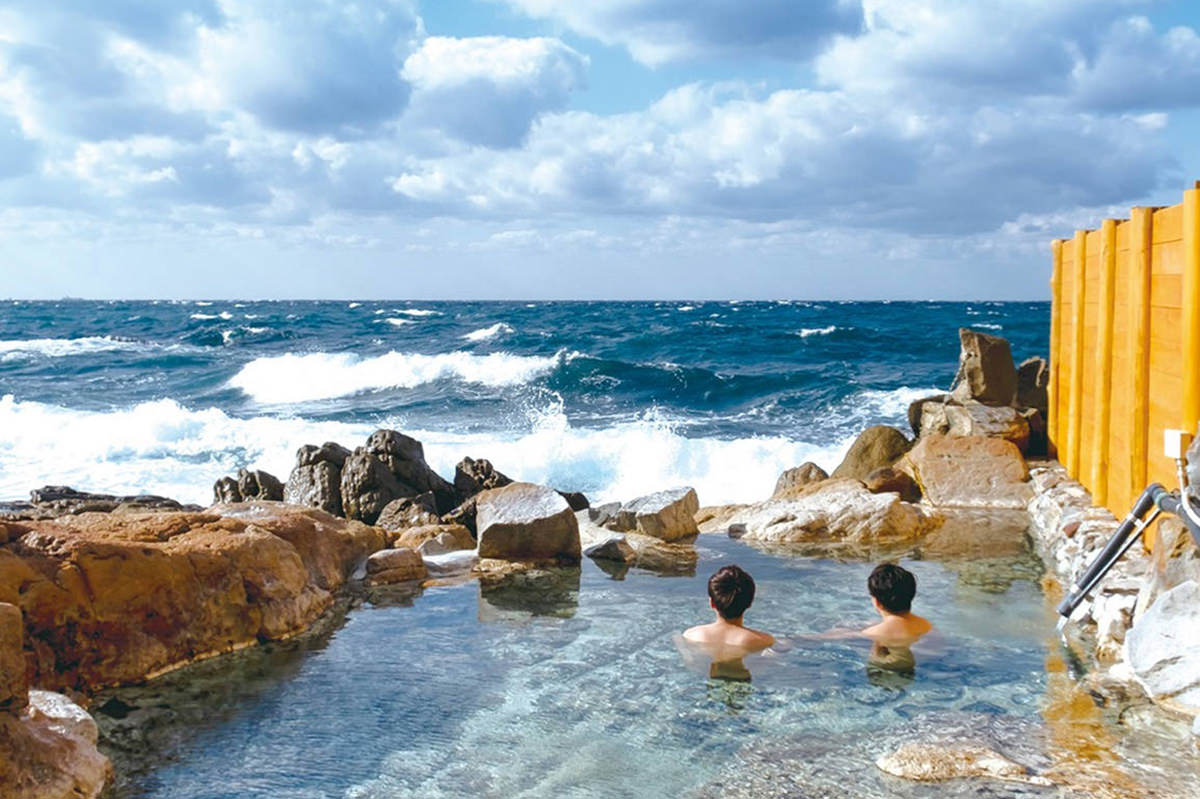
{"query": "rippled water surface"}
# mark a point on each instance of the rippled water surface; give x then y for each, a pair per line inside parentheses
(569, 684)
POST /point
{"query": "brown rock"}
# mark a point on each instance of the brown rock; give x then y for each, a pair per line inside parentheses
(875, 447)
(969, 471)
(523, 521)
(48, 751)
(115, 598)
(404, 457)
(416, 511)
(614, 548)
(1033, 381)
(971, 418)
(248, 485)
(395, 566)
(888, 479)
(316, 480)
(450, 537)
(669, 515)
(472, 476)
(14, 685)
(796, 478)
(985, 369)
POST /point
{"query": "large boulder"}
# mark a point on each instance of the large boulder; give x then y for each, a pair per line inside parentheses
(668, 515)
(114, 598)
(1033, 382)
(368, 486)
(472, 476)
(985, 369)
(391, 466)
(1163, 649)
(404, 457)
(316, 480)
(837, 513)
(797, 478)
(397, 565)
(969, 472)
(14, 685)
(526, 522)
(875, 447)
(48, 751)
(971, 418)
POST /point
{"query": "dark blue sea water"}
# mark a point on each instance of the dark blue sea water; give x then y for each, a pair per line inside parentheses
(614, 399)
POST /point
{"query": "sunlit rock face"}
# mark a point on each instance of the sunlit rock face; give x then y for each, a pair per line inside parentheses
(48, 751)
(117, 597)
(523, 521)
(1163, 648)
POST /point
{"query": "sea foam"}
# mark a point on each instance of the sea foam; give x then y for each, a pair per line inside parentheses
(64, 347)
(488, 333)
(321, 375)
(164, 448)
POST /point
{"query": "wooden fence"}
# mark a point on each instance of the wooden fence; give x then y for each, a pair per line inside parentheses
(1125, 348)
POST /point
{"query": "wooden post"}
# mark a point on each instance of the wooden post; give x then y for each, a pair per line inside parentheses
(1140, 238)
(1056, 363)
(1075, 403)
(1104, 356)
(1190, 416)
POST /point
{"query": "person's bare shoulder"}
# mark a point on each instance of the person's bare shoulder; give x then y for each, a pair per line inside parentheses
(697, 634)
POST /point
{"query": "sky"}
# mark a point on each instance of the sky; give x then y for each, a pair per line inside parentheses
(559, 149)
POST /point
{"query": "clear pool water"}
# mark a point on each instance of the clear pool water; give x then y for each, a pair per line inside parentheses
(570, 685)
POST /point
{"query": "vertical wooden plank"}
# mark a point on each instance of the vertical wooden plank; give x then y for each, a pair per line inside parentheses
(1104, 358)
(1054, 435)
(1142, 221)
(1075, 404)
(1190, 416)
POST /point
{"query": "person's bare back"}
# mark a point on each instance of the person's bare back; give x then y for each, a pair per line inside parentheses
(892, 589)
(730, 592)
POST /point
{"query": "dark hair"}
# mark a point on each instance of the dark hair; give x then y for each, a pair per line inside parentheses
(731, 591)
(894, 586)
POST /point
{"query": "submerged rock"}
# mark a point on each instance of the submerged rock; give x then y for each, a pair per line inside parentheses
(48, 751)
(928, 762)
(985, 369)
(114, 598)
(836, 512)
(875, 447)
(798, 477)
(1163, 649)
(395, 566)
(969, 471)
(669, 515)
(523, 521)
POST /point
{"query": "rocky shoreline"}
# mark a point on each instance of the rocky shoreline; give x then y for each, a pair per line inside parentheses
(99, 590)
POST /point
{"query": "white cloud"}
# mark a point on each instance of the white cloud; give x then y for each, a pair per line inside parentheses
(658, 31)
(488, 89)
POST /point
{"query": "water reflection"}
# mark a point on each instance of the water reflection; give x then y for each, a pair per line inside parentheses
(550, 592)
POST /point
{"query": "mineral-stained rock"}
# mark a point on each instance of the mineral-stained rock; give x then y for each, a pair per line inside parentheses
(941, 761)
(418, 511)
(1163, 648)
(523, 521)
(875, 447)
(1033, 380)
(797, 478)
(114, 598)
(969, 471)
(614, 548)
(14, 686)
(48, 751)
(668, 515)
(450, 537)
(472, 476)
(888, 479)
(985, 369)
(316, 480)
(836, 513)
(395, 566)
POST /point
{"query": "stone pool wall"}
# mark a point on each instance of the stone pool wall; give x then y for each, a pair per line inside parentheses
(1141, 626)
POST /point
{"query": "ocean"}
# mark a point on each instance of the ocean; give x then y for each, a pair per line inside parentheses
(615, 399)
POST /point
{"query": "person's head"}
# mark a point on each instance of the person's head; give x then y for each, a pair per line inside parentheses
(892, 587)
(731, 591)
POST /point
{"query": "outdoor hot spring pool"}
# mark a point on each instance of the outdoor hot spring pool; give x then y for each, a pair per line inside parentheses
(570, 684)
